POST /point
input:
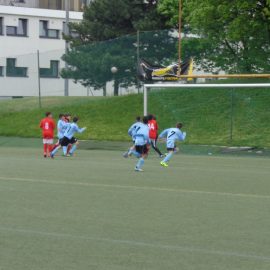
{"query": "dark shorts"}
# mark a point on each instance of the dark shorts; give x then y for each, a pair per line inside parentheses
(141, 149)
(66, 141)
(170, 149)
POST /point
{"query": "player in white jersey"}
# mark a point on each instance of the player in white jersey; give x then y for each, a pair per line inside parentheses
(69, 138)
(172, 135)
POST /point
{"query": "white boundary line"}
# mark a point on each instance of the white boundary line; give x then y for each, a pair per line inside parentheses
(200, 192)
(139, 244)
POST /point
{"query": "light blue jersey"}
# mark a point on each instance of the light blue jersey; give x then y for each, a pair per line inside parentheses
(172, 134)
(133, 129)
(72, 129)
(61, 127)
(142, 135)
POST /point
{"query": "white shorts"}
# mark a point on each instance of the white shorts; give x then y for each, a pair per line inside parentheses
(47, 141)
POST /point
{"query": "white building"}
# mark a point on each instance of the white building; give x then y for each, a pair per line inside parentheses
(24, 32)
(74, 5)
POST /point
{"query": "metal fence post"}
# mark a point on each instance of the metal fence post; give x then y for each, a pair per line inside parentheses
(231, 115)
(38, 72)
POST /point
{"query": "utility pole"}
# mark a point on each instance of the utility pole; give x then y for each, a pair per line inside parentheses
(66, 91)
(179, 37)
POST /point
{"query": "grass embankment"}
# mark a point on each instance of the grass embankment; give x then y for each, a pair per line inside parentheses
(211, 116)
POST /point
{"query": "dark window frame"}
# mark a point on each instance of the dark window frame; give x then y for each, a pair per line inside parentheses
(72, 33)
(16, 29)
(51, 72)
(48, 31)
(1, 26)
(13, 71)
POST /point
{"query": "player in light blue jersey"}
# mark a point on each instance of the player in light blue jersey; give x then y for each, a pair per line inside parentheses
(131, 132)
(69, 138)
(142, 144)
(172, 135)
(62, 125)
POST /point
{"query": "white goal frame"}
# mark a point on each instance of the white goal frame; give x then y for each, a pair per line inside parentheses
(146, 87)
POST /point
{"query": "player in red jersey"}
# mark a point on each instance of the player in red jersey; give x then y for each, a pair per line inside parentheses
(153, 133)
(47, 125)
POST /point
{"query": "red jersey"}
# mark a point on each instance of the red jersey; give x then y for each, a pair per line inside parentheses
(153, 129)
(47, 124)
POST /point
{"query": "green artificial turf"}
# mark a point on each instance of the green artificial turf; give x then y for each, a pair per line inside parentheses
(93, 211)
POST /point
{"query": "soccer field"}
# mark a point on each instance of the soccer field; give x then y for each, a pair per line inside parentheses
(93, 211)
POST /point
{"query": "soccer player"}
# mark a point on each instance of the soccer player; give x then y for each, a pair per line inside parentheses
(131, 132)
(142, 143)
(47, 125)
(153, 133)
(61, 127)
(172, 135)
(69, 138)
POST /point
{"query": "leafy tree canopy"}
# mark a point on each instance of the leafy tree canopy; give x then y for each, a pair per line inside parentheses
(89, 60)
(231, 35)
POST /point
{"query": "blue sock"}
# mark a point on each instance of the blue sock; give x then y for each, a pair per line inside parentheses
(136, 154)
(55, 151)
(168, 157)
(140, 163)
(74, 147)
(130, 151)
(65, 150)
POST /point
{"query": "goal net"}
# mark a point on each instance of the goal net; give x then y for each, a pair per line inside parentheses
(235, 114)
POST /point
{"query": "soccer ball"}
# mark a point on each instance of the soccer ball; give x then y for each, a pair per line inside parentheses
(114, 69)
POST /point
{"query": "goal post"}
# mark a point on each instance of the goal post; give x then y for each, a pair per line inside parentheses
(147, 87)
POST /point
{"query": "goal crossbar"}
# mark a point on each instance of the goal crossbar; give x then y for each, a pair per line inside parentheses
(220, 76)
(146, 87)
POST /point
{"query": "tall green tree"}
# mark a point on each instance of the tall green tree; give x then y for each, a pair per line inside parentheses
(93, 51)
(231, 35)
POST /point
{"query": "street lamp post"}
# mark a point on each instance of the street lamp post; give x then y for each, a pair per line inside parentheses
(114, 70)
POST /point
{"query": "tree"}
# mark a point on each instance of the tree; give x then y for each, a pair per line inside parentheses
(93, 51)
(230, 35)
(91, 64)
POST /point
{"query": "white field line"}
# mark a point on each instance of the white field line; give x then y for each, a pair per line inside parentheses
(176, 248)
(200, 192)
(183, 164)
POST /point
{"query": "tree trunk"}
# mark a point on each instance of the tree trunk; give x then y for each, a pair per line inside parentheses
(104, 91)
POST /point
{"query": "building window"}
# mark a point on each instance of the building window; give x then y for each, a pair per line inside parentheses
(1, 71)
(72, 33)
(20, 30)
(13, 71)
(1, 26)
(84, 3)
(45, 32)
(51, 72)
